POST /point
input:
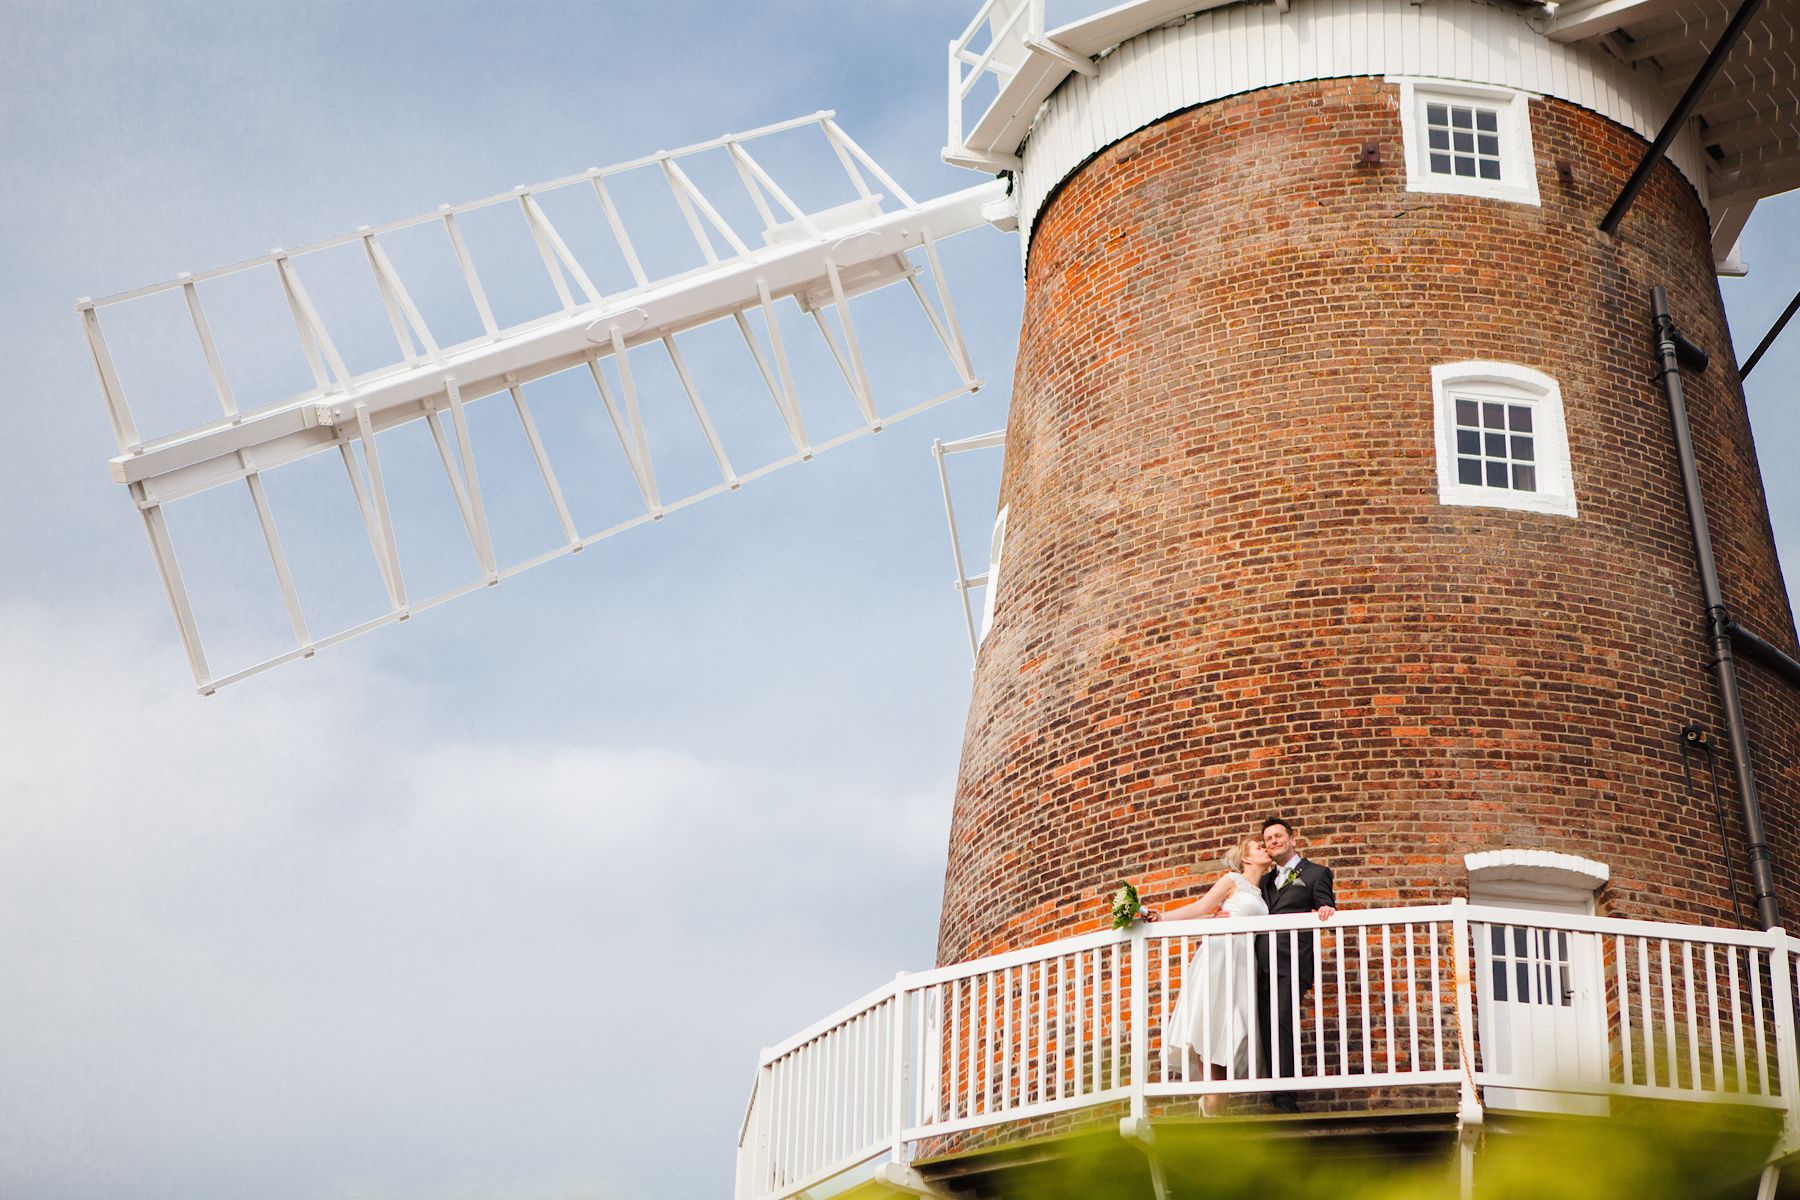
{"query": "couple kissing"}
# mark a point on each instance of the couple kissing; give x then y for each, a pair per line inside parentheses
(1225, 988)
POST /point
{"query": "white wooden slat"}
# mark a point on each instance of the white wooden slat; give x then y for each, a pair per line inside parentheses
(1116, 1026)
(1619, 957)
(1412, 1003)
(1712, 1010)
(1343, 1007)
(1362, 963)
(954, 1079)
(1648, 1012)
(384, 520)
(1237, 48)
(467, 265)
(156, 528)
(1737, 1019)
(284, 578)
(210, 349)
(1387, 997)
(545, 470)
(1756, 1010)
(1007, 1055)
(1437, 1003)
(1667, 978)
(1210, 1053)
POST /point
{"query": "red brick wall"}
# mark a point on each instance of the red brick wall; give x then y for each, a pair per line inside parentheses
(1229, 587)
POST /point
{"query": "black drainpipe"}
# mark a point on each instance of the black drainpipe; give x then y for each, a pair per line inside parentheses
(1674, 349)
(1768, 653)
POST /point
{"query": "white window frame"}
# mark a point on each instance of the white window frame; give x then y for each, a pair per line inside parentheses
(1518, 163)
(1550, 442)
(992, 590)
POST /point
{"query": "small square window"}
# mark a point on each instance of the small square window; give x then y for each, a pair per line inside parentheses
(1500, 438)
(1467, 139)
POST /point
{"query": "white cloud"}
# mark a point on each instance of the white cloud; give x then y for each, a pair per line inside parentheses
(297, 941)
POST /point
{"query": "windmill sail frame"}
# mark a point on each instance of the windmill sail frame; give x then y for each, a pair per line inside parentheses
(820, 260)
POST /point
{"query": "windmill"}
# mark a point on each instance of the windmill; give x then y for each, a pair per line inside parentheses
(1374, 395)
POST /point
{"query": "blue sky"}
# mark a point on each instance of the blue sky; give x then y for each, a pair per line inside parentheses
(504, 901)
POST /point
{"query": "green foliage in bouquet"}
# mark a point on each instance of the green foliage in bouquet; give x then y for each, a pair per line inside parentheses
(1126, 907)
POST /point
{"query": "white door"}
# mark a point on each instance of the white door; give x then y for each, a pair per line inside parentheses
(1542, 1017)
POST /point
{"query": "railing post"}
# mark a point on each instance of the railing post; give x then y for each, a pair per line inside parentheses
(1139, 1029)
(753, 1151)
(956, 120)
(1469, 1106)
(899, 1072)
(1781, 983)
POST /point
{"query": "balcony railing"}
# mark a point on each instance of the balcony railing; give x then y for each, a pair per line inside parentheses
(1509, 1008)
(1014, 53)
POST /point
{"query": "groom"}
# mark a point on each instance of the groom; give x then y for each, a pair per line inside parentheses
(1291, 885)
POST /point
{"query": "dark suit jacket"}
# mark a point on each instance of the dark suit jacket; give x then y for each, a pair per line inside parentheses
(1309, 890)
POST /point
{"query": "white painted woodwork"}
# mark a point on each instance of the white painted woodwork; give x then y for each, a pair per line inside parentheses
(1610, 1007)
(1240, 48)
(820, 260)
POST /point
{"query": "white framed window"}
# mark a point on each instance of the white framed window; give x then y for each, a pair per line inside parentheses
(1467, 139)
(1501, 442)
(992, 589)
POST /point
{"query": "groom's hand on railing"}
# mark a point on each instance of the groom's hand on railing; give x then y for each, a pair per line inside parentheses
(1326, 912)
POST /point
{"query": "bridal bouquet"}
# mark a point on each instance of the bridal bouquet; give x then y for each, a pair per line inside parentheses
(1126, 907)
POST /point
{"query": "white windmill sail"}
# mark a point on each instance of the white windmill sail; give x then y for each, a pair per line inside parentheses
(818, 260)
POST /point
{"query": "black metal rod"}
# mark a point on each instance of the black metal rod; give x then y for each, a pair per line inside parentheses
(1769, 337)
(1718, 622)
(1712, 774)
(1690, 99)
(1766, 652)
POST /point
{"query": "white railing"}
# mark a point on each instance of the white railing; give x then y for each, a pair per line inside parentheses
(1001, 27)
(1014, 53)
(1514, 1009)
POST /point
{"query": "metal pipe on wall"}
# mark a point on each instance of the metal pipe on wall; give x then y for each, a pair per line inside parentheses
(1718, 621)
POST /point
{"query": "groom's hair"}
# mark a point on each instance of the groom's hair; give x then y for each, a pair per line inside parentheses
(1278, 821)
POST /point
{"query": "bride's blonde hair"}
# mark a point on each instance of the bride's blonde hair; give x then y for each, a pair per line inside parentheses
(1234, 857)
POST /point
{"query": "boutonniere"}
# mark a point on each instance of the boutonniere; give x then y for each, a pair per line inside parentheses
(1288, 875)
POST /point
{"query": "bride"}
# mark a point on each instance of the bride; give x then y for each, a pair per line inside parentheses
(1217, 1007)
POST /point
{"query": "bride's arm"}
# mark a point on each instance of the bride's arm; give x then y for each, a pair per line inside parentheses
(1205, 906)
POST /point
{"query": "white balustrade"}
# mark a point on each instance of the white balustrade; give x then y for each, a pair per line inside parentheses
(1524, 1009)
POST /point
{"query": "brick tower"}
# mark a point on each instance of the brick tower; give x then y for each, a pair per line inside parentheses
(1339, 483)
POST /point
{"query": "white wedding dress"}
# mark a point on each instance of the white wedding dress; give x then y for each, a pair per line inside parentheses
(1217, 1007)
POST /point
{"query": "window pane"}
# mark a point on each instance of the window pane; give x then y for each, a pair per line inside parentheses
(1490, 169)
(1493, 416)
(1467, 413)
(1440, 164)
(1524, 981)
(1468, 470)
(1489, 144)
(1487, 120)
(1520, 416)
(1464, 143)
(1496, 445)
(1437, 114)
(1438, 139)
(1521, 448)
(1462, 118)
(1468, 442)
(1499, 979)
(1496, 474)
(1524, 477)
(1465, 167)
